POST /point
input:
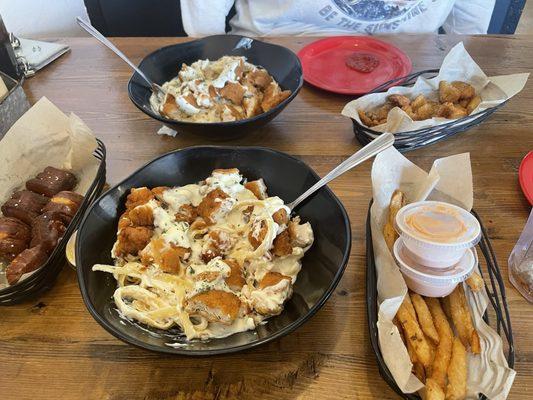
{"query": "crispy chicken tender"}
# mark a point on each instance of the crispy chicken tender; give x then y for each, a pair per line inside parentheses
(217, 243)
(235, 280)
(138, 197)
(272, 96)
(282, 244)
(258, 188)
(215, 205)
(233, 92)
(448, 93)
(186, 213)
(281, 217)
(132, 239)
(168, 256)
(301, 234)
(259, 78)
(141, 216)
(215, 306)
(272, 279)
(257, 234)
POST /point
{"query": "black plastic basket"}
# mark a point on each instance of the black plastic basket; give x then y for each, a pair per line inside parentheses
(495, 292)
(411, 140)
(44, 278)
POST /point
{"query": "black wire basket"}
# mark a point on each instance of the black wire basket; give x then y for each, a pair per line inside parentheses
(495, 293)
(43, 278)
(411, 140)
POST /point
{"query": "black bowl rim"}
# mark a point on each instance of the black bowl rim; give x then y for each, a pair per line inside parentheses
(240, 122)
(288, 329)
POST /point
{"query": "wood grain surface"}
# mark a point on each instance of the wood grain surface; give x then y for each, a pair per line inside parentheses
(52, 348)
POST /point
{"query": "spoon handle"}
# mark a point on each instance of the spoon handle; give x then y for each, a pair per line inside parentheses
(102, 39)
(383, 142)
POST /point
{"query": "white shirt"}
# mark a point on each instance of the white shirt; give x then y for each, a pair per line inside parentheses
(334, 17)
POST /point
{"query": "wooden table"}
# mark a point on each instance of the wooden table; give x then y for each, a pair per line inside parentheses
(52, 348)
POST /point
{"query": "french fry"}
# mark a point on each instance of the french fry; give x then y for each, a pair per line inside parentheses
(462, 320)
(389, 233)
(413, 333)
(456, 388)
(445, 302)
(433, 390)
(439, 368)
(424, 317)
(475, 282)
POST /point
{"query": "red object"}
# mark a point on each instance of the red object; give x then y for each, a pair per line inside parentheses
(525, 176)
(362, 62)
(324, 64)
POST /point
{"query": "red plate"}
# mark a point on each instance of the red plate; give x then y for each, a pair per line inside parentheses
(324, 64)
(525, 176)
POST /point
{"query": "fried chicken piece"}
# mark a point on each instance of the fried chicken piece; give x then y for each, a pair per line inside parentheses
(382, 113)
(191, 100)
(215, 306)
(273, 96)
(27, 261)
(251, 106)
(258, 188)
(215, 205)
(282, 244)
(281, 217)
(366, 118)
(257, 234)
(186, 213)
(132, 239)
(171, 258)
(233, 92)
(472, 104)
(451, 111)
(466, 90)
(138, 197)
(217, 244)
(158, 192)
(426, 111)
(409, 111)
(259, 78)
(398, 100)
(272, 279)
(141, 216)
(418, 102)
(235, 112)
(170, 108)
(235, 280)
(448, 93)
(212, 92)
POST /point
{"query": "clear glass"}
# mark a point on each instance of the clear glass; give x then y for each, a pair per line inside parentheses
(521, 262)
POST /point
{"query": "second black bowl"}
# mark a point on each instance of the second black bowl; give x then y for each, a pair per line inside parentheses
(162, 65)
(285, 176)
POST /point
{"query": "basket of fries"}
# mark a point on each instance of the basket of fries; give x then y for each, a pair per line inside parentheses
(434, 337)
(432, 105)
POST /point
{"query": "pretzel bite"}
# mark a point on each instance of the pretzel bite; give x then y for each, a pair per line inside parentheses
(448, 93)
(24, 205)
(215, 206)
(398, 100)
(65, 204)
(46, 231)
(51, 181)
(272, 96)
(215, 306)
(466, 91)
(27, 261)
(258, 188)
(15, 237)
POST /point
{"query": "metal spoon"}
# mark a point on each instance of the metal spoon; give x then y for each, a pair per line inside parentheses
(383, 142)
(102, 39)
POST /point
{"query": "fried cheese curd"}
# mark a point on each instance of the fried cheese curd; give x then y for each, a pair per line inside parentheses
(212, 258)
(455, 100)
(228, 89)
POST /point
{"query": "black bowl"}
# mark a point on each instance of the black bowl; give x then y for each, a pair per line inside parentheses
(162, 65)
(286, 176)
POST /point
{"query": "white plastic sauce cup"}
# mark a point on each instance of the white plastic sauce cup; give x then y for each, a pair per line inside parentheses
(437, 234)
(432, 282)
